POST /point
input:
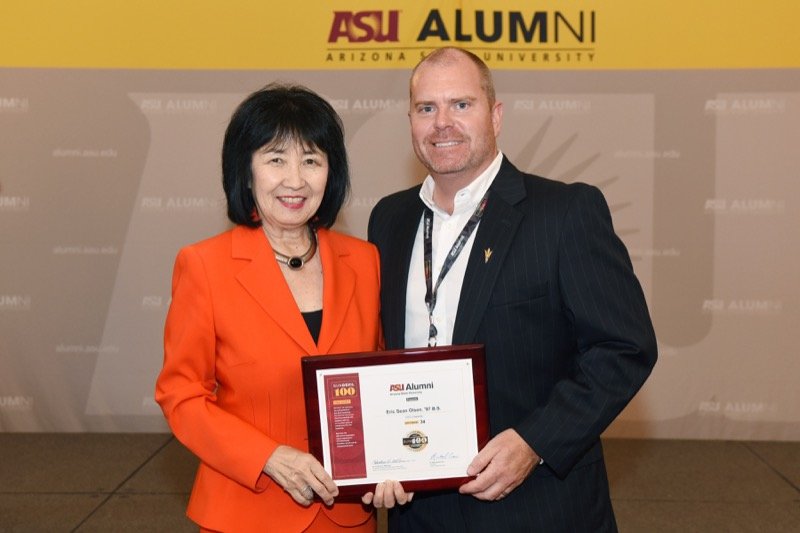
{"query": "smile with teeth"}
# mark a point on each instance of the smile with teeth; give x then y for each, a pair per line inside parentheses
(292, 201)
(446, 144)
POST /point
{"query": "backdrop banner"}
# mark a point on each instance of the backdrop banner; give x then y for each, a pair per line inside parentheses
(685, 114)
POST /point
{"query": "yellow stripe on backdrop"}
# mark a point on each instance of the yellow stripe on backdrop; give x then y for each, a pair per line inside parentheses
(331, 34)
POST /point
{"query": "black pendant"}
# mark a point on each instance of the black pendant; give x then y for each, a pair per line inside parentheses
(295, 263)
(432, 333)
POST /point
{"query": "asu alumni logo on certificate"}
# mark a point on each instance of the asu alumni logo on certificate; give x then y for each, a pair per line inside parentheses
(415, 441)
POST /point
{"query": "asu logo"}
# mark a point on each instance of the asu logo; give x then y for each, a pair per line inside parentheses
(365, 26)
(394, 387)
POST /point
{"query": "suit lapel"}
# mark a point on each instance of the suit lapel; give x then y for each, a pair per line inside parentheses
(339, 285)
(263, 280)
(492, 242)
(395, 278)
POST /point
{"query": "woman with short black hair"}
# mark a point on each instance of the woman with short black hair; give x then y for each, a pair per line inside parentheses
(249, 303)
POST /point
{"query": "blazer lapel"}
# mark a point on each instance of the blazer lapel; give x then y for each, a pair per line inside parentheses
(338, 288)
(397, 262)
(492, 242)
(264, 281)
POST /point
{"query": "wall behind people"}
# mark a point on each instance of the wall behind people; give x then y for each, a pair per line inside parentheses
(686, 114)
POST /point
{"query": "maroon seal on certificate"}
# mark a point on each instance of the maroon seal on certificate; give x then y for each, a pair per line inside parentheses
(345, 426)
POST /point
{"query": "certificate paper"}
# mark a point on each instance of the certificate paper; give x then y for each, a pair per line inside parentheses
(416, 416)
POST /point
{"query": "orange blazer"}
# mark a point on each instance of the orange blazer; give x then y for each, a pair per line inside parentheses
(231, 386)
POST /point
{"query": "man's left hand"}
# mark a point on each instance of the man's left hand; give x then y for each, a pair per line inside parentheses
(500, 467)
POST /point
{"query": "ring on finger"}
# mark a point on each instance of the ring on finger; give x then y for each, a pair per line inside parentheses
(307, 492)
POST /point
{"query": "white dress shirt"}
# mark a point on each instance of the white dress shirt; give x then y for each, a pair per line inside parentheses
(446, 228)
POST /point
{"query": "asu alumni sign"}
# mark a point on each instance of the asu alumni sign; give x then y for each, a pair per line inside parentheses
(355, 34)
(500, 36)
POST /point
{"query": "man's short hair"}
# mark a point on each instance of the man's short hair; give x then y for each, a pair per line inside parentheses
(445, 55)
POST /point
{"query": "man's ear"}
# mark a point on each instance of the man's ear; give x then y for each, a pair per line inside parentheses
(497, 117)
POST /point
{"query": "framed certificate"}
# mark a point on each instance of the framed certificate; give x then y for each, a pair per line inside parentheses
(418, 416)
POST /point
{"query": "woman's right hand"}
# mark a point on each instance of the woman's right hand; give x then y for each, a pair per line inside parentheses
(301, 475)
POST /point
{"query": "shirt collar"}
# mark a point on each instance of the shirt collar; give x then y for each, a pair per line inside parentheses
(466, 199)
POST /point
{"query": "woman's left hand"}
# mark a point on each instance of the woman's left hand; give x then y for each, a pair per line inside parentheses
(301, 475)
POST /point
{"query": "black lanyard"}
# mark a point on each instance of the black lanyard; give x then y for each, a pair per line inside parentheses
(455, 250)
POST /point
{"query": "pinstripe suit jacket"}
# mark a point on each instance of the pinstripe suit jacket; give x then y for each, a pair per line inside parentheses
(568, 337)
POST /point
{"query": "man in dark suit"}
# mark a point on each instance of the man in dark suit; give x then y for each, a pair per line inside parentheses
(534, 271)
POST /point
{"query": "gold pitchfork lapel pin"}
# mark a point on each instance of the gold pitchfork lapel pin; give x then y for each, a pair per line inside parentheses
(487, 253)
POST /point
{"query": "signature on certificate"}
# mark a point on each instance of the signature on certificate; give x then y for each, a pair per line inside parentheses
(441, 457)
